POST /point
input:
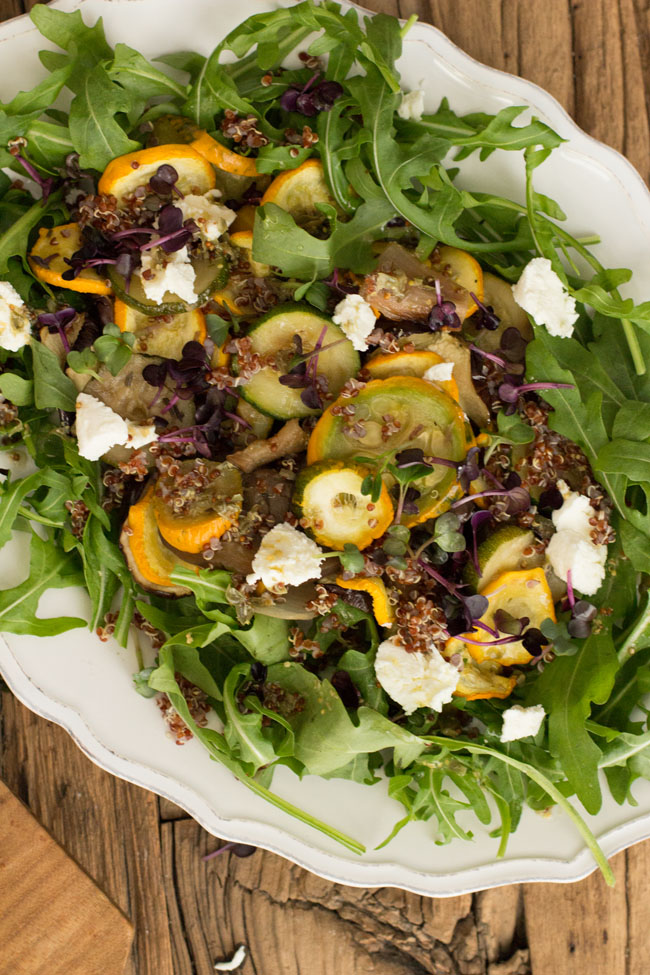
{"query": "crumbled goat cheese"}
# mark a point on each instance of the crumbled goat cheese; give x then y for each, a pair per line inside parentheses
(140, 434)
(521, 722)
(415, 680)
(212, 218)
(99, 428)
(357, 320)
(541, 293)
(442, 372)
(170, 272)
(412, 105)
(15, 327)
(571, 548)
(286, 557)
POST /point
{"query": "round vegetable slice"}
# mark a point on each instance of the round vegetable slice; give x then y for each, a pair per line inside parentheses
(124, 174)
(498, 295)
(332, 508)
(479, 681)
(163, 335)
(223, 158)
(381, 607)
(299, 190)
(212, 510)
(244, 240)
(273, 335)
(502, 551)
(244, 221)
(389, 415)
(211, 275)
(147, 557)
(47, 261)
(382, 365)
(520, 593)
(462, 268)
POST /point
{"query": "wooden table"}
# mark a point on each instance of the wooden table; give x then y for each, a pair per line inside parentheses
(594, 56)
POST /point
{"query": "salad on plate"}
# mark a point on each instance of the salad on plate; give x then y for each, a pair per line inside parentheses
(356, 456)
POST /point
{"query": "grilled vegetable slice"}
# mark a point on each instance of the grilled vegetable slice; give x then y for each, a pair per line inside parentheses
(521, 593)
(147, 557)
(274, 335)
(502, 551)
(479, 681)
(223, 158)
(453, 350)
(163, 335)
(211, 275)
(212, 510)
(382, 365)
(498, 295)
(299, 190)
(381, 607)
(392, 414)
(331, 506)
(124, 174)
(47, 261)
(462, 268)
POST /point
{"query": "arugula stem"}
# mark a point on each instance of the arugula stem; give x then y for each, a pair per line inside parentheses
(637, 636)
(407, 26)
(33, 516)
(532, 773)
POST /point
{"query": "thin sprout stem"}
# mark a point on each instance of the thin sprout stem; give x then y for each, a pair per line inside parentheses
(407, 26)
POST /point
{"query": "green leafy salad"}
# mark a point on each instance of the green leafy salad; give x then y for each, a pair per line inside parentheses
(359, 459)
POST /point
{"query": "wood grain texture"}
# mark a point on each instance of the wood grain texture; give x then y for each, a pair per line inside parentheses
(594, 57)
(51, 912)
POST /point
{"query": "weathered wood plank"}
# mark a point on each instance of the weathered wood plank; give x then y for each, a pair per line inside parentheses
(579, 928)
(108, 826)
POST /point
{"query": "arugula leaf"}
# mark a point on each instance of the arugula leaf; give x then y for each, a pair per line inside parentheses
(566, 690)
(135, 73)
(18, 390)
(14, 239)
(52, 388)
(278, 240)
(49, 568)
(97, 136)
(267, 639)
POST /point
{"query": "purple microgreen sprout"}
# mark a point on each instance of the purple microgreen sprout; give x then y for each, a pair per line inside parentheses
(485, 317)
(239, 849)
(509, 392)
(310, 103)
(163, 182)
(518, 498)
(489, 355)
(583, 614)
(569, 590)
(56, 322)
(46, 185)
(174, 233)
(443, 314)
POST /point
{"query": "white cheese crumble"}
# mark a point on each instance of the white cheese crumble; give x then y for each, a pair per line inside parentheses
(412, 105)
(519, 722)
(541, 293)
(415, 680)
(442, 372)
(357, 320)
(233, 963)
(571, 548)
(140, 434)
(169, 272)
(99, 428)
(286, 557)
(212, 218)
(15, 327)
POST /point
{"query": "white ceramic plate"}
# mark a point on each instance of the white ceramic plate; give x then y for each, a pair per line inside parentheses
(85, 685)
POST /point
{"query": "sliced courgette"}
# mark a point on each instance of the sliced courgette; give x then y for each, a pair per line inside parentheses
(274, 335)
(328, 500)
(498, 296)
(502, 551)
(163, 335)
(189, 525)
(523, 593)
(479, 681)
(376, 589)
(211, 275)
(147, 557)
(392, 414)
